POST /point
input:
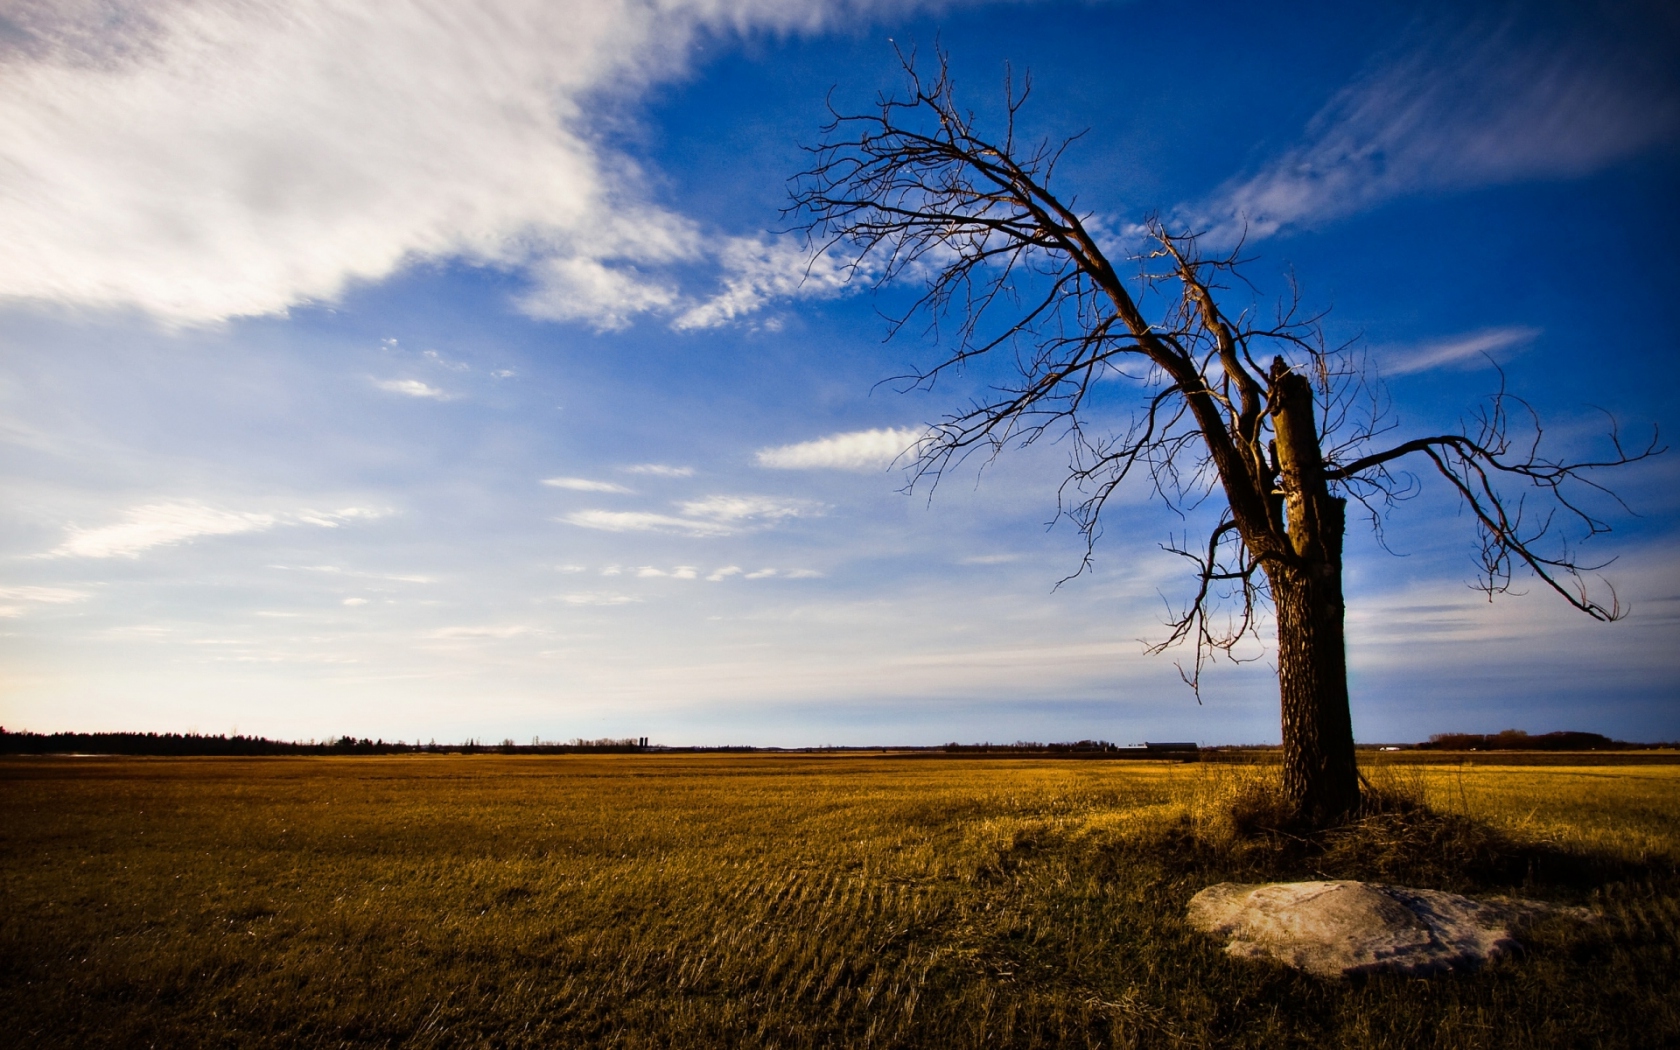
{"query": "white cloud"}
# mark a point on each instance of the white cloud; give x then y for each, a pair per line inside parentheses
(332, 519)
(746, 508)
(438, 359)
(411, 388)
(155, 525)
(583, 485)
(767, 573)
(681, 572)
(608, 297)
(1460, 109)
(48, 595)
(712, 516)
(644, 521)
(724, 573)
(160, 524)
(512, 630)
(659, 470)
(339, 571)
(760, 269)
(1467, 349)
(204, 161)
(988, 559)
(859, 450)
(591, 598)
(355, 601)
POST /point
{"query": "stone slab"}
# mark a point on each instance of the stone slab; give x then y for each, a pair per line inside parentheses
(1340, 928)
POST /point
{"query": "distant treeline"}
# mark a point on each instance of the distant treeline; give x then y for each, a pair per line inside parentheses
(182, 744)
(1517, 740)
(1027, 745)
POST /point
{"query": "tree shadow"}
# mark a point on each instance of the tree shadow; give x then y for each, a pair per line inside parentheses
(1244, 832)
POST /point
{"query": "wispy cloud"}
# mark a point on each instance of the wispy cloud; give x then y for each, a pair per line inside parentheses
(595, 598)
(645, 521)
(757, 270)
(746, 508)
(712, 516)
(412, 388)
(584, 485)
(42, 595)
(681, 572)
(156, 525)
(763, 574)
(509, 630)
(162, 524)
(859, 450)
(332, 519)
(1468, 349)
(1462, 107)
(336, 570)
(659, 470)
(605, 295)
(47, 595)
(206, 161)
(443, 362)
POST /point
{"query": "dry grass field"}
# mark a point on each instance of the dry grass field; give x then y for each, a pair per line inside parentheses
(645, 901)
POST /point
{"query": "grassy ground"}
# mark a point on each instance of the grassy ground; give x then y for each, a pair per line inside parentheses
(744, 901)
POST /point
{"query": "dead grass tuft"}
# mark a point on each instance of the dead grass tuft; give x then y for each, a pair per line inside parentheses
(1235, 821)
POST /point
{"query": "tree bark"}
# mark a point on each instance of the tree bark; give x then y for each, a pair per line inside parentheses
(1320, 775)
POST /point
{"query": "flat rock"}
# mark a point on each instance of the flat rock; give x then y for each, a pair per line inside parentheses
(1335, 929)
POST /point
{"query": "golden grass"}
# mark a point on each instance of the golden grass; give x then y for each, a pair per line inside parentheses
(776, 901)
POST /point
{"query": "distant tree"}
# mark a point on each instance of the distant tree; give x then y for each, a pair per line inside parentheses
(1255, 414)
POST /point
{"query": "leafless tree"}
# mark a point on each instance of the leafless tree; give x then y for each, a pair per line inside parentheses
(912, 191)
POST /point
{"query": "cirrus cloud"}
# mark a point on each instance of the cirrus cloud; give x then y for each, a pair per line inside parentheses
(709, 517)
(759, 269)
(583, 485)
(47, 595)
(1471, 105)
(163, 524)
(857, 450)
(203, 161)
(1456, 351)
(645, 521)
(659, 470)
(741, 508)
(411, 388)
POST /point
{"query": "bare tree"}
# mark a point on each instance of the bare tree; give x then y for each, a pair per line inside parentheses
(912, 191)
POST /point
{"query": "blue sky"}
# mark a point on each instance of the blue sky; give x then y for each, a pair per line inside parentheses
(437, 370)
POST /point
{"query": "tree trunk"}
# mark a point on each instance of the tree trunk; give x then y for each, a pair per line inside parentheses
(1320, 777)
